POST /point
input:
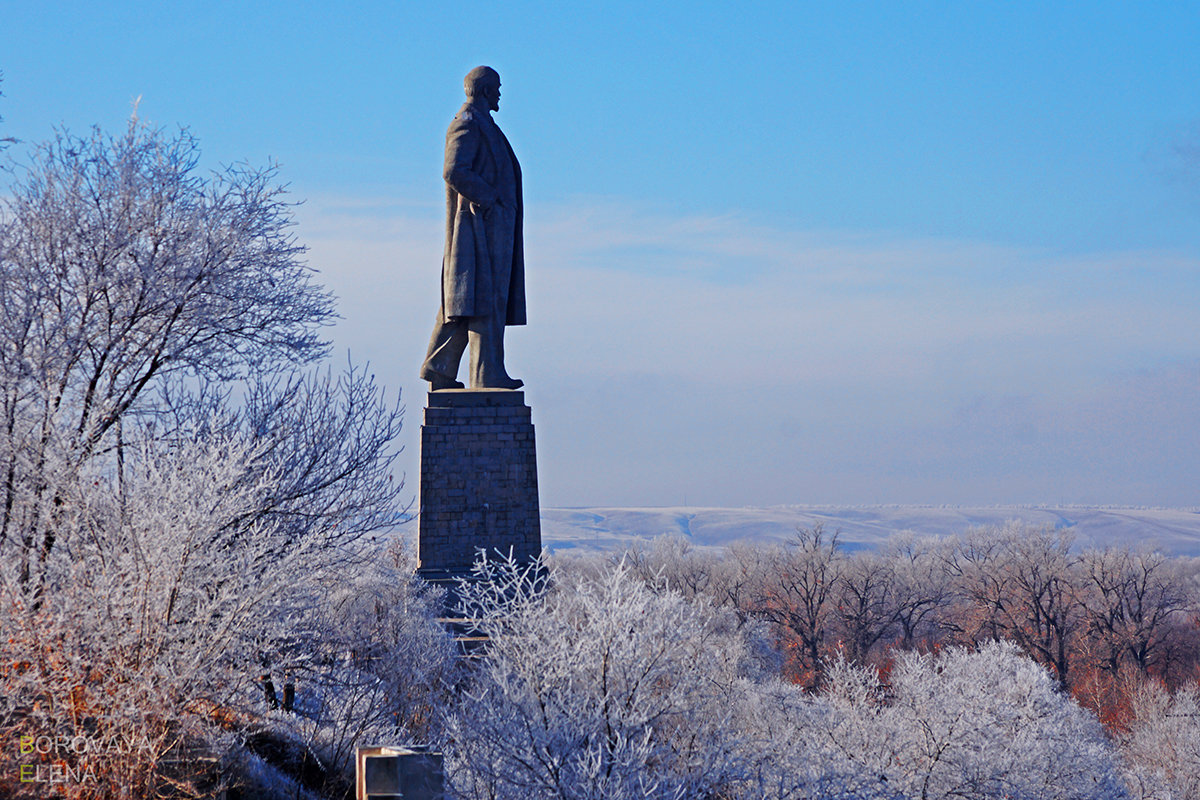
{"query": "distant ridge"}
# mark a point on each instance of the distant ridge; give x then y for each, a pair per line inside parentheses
(1175, 531)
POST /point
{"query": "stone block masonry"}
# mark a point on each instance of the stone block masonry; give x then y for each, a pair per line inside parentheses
(478, 480)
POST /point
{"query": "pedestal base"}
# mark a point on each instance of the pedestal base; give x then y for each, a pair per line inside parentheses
(478, 480)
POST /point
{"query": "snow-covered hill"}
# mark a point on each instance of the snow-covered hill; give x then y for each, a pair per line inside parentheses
(1174, 531)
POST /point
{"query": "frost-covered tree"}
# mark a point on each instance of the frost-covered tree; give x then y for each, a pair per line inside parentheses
(154, 614)
(383, 627)
(1130, 599)
(1024, 585)
(1162, 745)
(789, 754)
(375, 666)
(143, 299)
(923, 586)
(797, 593)
(867, 603)
(177, 499)
(595, 686)
(121, 266)
(673, 563)
(597, 683)
(728, 578)
(982, 724)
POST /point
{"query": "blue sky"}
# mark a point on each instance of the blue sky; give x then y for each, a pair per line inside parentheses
(780, 253)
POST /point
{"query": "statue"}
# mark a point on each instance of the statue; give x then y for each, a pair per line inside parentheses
(483, 264)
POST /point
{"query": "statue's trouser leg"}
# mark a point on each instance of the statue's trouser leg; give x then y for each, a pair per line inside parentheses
(446, 347)
(486, 335)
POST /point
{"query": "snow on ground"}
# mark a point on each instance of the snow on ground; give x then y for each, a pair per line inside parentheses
(1174, 531)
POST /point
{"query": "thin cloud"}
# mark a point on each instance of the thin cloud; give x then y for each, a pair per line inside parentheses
(759, 364)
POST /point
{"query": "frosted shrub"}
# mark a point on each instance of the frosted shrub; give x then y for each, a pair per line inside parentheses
(597, 683)
(384, 666)
(157, 607)
(796, 747)
(1162, 746)
(984, 724)
(596, 687)
(176, 497)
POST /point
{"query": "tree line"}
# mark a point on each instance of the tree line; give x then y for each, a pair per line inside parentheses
(1100, 620)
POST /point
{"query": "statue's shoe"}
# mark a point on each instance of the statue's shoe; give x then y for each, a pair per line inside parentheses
(442, 382)
(503, 383)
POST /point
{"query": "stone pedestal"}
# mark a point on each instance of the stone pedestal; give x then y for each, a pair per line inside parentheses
(478, 480)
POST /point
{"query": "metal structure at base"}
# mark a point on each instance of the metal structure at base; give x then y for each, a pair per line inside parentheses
(479, 486)
(398, 773)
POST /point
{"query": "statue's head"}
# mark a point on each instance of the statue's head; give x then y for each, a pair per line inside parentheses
(483, 83)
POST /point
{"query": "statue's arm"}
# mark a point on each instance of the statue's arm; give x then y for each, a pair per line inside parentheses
(462, 144)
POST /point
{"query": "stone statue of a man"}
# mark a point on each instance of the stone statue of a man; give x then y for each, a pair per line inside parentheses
(483, 265)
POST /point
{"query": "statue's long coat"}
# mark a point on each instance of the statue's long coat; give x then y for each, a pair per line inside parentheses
(484, 254)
